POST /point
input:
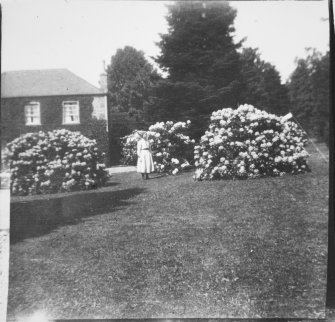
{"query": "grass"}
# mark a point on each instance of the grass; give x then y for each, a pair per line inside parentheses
(179, 248)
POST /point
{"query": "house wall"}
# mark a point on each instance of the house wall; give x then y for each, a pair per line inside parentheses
(51, 109)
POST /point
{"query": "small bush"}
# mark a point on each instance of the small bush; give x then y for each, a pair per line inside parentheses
(172, 150)
(249, 143)
(55, 161)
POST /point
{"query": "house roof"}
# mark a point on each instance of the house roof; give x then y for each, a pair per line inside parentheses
(47, 82)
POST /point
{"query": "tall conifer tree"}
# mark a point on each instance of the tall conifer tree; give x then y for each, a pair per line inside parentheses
(202, 63)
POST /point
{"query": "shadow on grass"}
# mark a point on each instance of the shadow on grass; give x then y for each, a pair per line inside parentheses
(157, 176)
(41, 216)
(110, 184)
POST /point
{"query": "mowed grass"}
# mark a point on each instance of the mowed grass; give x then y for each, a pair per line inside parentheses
(179, 248)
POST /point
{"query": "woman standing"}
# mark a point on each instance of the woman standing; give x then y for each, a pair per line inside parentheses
(145, 164)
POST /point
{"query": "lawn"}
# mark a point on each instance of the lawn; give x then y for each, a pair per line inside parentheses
(172, 247)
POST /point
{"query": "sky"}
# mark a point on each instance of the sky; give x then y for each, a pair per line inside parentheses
(80, 34)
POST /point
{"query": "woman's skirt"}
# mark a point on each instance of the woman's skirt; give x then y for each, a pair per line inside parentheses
(145, 163)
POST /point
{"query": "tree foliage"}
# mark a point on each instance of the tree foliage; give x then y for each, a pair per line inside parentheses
(199, 45)
(173, 101)
(320, 83)
(261, 84)
(309, 94)
(130, 76)
(201, 60)
(205, 70)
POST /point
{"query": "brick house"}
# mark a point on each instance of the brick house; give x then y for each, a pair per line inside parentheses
(34, 100)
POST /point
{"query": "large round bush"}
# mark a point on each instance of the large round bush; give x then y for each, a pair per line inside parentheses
(172, 150)
(249, 143)
(55, 161)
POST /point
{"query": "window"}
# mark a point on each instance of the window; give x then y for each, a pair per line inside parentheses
(32, 113)
(99, 108)
(71, 112)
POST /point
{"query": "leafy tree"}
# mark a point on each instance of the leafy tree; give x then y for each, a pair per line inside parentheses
(130, 76)
(261, 84)
(301, 95)
(201, 59)
(309, 94)
(320, 82)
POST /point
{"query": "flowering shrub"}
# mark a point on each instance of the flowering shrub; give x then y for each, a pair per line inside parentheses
(249, 143)
(172, 150)
(55, 161)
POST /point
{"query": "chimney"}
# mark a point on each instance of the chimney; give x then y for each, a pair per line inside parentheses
(103, 78)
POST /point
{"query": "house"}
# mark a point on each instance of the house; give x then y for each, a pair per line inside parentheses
(34, 100)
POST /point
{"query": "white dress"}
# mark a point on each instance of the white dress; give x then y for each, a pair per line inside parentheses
(145, 163)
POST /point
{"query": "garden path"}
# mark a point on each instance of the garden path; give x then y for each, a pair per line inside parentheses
(121, 169)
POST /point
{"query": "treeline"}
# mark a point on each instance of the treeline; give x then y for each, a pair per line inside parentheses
(206, 70)
(309, 94)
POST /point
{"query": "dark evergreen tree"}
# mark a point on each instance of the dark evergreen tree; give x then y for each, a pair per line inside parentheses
(201, 60)
(176, 101)
(277, 93)
(252, 91)
(261, 84)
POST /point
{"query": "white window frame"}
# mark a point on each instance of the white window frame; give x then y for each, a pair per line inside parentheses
(75, 115)
(32, 113)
